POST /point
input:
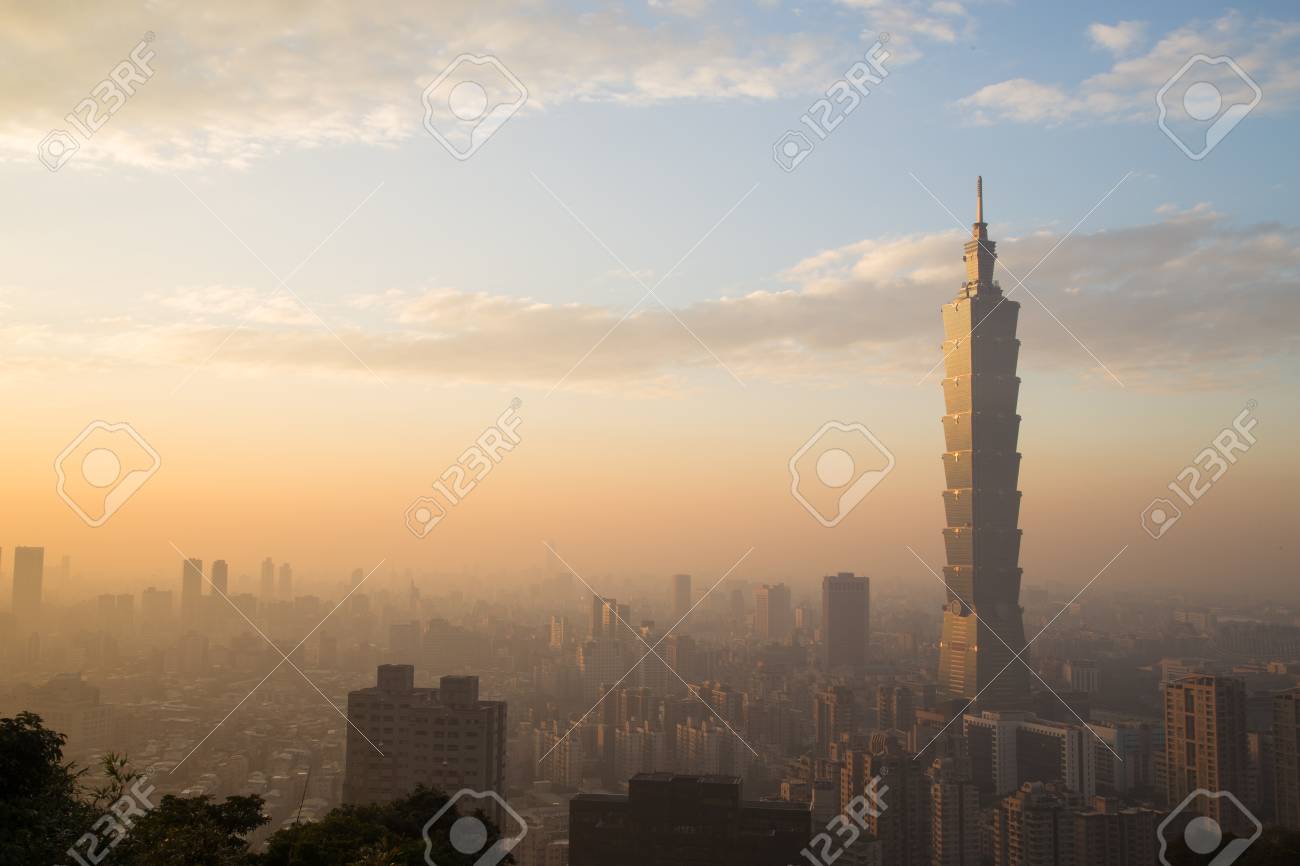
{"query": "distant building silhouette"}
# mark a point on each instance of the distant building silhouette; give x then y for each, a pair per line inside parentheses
(846, 617)
(220, 578)
(286, 581)
(773, 615)
(191, 592)
(267, 584)
(29, 576)
(681, 596)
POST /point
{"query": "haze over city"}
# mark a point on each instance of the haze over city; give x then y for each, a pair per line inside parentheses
(453, 330)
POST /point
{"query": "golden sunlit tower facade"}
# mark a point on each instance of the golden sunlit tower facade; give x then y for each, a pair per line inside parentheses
(982, 505)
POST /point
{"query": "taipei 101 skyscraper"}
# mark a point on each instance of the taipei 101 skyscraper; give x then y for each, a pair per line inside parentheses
(981, 467)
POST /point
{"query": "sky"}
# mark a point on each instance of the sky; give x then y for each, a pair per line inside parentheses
(308, 306)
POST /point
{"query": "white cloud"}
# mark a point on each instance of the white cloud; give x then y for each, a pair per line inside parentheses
(909, 24)
(686, 8)
(1119, 38)
(219, 303)
(236, 82)
(1266, 49)
(1183, 302)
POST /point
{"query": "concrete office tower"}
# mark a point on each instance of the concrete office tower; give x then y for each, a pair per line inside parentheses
(773, 616)
(267, 584)
(1286, 758)
(445, 738)
(681, 596)
(846, 609)
(220, 577)
(29, 573)
(1205, 744)
(191, 592)
(982, 622)
(286, 581)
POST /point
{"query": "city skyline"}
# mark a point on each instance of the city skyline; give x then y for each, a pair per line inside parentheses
(652, 432)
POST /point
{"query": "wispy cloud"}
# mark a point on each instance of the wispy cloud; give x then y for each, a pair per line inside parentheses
(1267, 49)
(910, 23)
(1119, 38)
(1183, 302)
(244, 81)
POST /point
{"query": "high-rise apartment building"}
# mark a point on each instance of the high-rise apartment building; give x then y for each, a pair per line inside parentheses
(1286, 758)
(983, 627)
(1205, 744)
(286, 581)
(895, 708)
(846, 617)
(604, 618)
(446, 738)
(1036, 826)
(954, 815)
(29, 575)
(902, 826)
(834, 715)
(773, 615)
(191, 592)
(1008, 748)
(1110, 834)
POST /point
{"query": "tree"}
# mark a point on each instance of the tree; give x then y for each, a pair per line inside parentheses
(41, 810)
(390, 834)
(194, 831)
(45, 811)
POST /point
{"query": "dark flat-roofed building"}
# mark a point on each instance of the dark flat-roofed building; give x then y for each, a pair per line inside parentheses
(401, 736)
(685, 820)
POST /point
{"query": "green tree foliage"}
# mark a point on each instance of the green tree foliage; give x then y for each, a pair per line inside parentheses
(45, 810)
(194, 831)
(41, 811)
(391, 834)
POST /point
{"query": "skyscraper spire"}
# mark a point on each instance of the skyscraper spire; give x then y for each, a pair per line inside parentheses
(980, 251)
